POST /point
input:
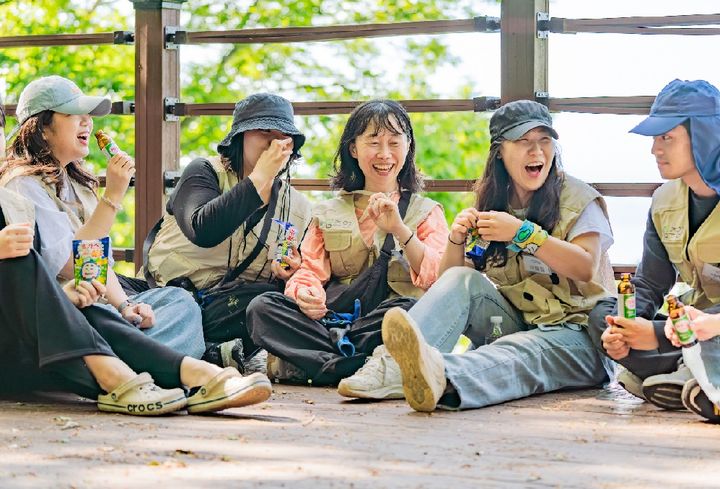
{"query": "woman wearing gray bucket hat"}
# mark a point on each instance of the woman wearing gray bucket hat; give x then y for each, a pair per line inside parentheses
(681, 238)
(540, 267)
(226, 219)
(62, 338)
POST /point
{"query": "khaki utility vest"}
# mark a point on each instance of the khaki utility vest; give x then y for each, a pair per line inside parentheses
(16, 208)
(349, 255)
(554, 299)
(669, 211)
(173, 255)
(77, 213)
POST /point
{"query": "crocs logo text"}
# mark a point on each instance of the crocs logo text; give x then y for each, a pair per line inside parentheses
(141, 408)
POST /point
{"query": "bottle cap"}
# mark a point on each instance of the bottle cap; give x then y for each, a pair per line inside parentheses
(496, 319)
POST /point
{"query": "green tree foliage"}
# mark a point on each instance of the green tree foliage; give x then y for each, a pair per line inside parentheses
(450, 145)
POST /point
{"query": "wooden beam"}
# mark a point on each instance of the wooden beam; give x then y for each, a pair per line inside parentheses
(523, 55)
(56, 40)
(157, 76)
(337, 32)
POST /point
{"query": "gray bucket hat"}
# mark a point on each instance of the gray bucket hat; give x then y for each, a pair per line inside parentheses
(514, 119)
(59, 95)
(263, 111)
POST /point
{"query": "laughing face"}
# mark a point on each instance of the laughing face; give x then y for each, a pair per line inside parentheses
(381, 155)
(528, 161)
(68, 137)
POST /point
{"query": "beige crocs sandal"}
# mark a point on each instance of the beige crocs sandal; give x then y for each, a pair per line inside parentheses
(229, 389)
(141, 397)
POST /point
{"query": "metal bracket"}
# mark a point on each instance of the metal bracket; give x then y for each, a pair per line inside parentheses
(543, 25)
(169, 103)
(487, 24)
(123, 107)
(123, 37)
(542, 98)
(174, 36)
(482, 104)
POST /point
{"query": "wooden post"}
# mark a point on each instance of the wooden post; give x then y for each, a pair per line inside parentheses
(157, 141)
(524, 56)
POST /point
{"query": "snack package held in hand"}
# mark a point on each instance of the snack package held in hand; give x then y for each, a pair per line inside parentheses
(475, 246)
(90, 258)
(286, 238)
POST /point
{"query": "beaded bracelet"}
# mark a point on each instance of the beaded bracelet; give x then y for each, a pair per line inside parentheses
(115, 207)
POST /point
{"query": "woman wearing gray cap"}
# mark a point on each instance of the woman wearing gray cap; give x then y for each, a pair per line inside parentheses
(60, 338)
(45, 165)
(681, 239)
(218, 237)
(543, 268)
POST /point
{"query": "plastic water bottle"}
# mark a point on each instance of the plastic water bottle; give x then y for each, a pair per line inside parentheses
(495, 329)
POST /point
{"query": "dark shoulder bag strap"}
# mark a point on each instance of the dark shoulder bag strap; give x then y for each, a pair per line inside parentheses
(269, 213)
(149, 240)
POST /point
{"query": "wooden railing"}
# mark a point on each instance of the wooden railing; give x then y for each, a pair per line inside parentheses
(524, 27)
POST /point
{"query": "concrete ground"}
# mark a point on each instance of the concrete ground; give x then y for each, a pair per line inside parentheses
(311, 438)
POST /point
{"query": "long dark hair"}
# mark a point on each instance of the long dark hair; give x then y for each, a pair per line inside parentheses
(31, 151)
(494, 189)
(376, 113)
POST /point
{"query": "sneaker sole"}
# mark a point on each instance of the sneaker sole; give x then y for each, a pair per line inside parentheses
(156, 408)
(402, 343)
(385, 393)
(254, 393)
(665, 396)
(696, 401)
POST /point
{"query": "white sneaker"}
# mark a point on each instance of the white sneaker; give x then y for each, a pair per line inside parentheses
(379, 378)
(422, 366)
(630, 382)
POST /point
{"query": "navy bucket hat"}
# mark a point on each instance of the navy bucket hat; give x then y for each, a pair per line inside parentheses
(679, 101)
(263, 111)
(696, 101)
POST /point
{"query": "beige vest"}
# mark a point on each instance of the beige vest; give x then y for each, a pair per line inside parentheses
(16, 208)
(669, 212)
(172, 255)
(349, 255)
(77, 213)
(553, 299)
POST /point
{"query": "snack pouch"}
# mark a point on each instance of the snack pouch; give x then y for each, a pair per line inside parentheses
(90, 258)
(286, 238)
(475, 246)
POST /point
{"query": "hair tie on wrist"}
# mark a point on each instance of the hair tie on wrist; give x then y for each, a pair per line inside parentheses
(453, 242)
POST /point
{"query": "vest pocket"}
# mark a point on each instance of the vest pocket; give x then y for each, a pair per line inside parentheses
(337, 240)
(176, 265)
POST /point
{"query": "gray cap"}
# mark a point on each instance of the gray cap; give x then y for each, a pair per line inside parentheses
(263, 111)
(59, 95)
(514, 119)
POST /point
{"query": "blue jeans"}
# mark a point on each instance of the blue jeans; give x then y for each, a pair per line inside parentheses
(523, 362)
(178, 320)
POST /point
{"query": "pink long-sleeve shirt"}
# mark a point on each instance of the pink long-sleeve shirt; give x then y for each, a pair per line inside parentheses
(315, 269)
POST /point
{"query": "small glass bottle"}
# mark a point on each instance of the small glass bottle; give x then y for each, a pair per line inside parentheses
(626, 297)
(106, 144)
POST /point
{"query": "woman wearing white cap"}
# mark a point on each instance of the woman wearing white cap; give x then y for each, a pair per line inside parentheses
(45, 164)
(58, 339)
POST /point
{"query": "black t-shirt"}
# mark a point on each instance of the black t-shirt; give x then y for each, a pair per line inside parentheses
(205, 215)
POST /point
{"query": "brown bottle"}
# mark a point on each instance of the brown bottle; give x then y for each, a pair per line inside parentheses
(681, 321)
(626, 297)
(106, 144)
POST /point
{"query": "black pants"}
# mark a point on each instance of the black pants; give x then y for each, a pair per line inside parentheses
(641, 363)
(43, 336)
(276, 323)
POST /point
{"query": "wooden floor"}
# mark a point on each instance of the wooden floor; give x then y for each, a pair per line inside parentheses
(311, 438)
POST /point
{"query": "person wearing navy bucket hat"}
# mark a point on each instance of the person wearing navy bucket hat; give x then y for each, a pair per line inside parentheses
(681, 239)
(220, 231)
